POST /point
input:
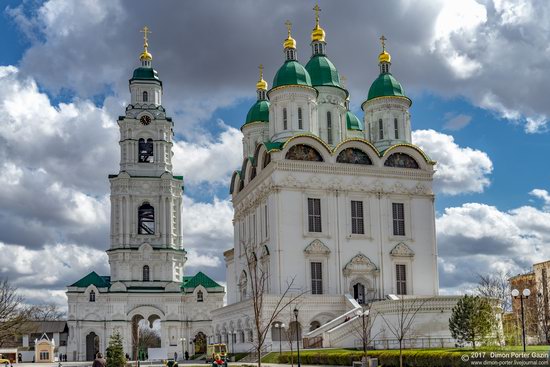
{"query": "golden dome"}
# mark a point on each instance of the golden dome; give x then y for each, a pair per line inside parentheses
(289, 42)
(384, 56)
(146, 55)
(318, 33)
(262, 84)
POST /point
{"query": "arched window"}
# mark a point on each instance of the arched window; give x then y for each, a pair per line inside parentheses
(285, 119)
(353, 156)
(302, 152)
(92, 296)
(396, 128)
(199, 296)
(146, 273)
(145, 150)
(300, 123)
(401, 160)
(329, 128)
(380, 129)
(243, 283)
(314, 325)
(145, 97)
(146, 219)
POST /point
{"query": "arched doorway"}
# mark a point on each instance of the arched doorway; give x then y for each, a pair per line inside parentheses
(146, 334)
(359, 293)
(200, 343)
(92, 346)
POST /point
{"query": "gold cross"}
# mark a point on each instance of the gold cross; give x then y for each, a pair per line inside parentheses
(383, 42)
(261, 67)
(288, 26)
(145, 30)
(317, 10)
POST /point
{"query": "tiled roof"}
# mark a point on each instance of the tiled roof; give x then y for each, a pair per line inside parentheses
(95, 279)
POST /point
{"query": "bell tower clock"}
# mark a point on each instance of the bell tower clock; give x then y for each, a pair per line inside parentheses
(146, 198)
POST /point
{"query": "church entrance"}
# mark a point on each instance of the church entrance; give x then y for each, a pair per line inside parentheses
(359, 293)
(92, 346)
(200, 343)
(145, 334)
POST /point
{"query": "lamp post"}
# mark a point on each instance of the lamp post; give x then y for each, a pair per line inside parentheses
(280, 326)
(524, 295)
(361, 313)
(297, 335)
(182, 340)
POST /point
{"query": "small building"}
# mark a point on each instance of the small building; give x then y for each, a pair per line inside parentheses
(44, 349)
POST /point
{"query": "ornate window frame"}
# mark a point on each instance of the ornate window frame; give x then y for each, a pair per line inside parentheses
(317, 251)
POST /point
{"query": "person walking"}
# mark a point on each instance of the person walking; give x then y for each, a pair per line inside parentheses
(99, 361)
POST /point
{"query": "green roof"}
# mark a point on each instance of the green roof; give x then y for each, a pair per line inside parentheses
(145, 74)
(353, 122)
(291, 73)
(385, 86)
(322, 72)
(259, 112)
(270, 145)
(199, 279)
(92, 278)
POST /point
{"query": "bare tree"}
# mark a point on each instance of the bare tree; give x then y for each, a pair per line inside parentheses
(148, 338)
(264, 317)
(362, 327)
(14, 314)
(497, 286)
(542, 318)
(401, 326)
(47, 312)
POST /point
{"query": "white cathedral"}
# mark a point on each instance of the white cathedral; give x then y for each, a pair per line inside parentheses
(344, 207)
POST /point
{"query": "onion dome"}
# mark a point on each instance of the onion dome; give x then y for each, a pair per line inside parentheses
(318, 33)
(353, 122)
(291, 73)
(259, 112)
(289, 41)
(322, 72)
(384, 56)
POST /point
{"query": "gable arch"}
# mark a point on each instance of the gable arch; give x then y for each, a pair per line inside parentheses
(235, 183)
(309, 140)
(360, 144)
(424, 162)
(250, 170)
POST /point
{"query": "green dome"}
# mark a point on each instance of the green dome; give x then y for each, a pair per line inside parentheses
(145, 74)
(258, 112)
(322, 71)
(385, 86)
(291, 73)
(353, 122)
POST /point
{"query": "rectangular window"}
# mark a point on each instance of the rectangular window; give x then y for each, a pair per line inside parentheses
(254, 228)
(300, 123)
(381, 129)
(398, 212)
(329, 128)
(285, 123)
(316, 278)
(314, 215)
(396, 128)
(266, 222)
(401, 278)
(357, 219)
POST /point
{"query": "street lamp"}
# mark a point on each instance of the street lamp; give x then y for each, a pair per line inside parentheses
(280, 326)
(183, 340)
(297, 335)
(361, 313)
(524, 295)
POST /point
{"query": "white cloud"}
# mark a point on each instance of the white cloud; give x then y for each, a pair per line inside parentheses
(459, 170)
(477, 239)
(212, 160)
(544, 195)
(457, 122)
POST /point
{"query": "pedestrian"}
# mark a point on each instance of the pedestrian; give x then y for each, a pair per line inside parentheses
(175, 356)
(99, 361)
(186, 355)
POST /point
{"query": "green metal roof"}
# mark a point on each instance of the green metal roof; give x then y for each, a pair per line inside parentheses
(385, 86)
(199, 279)
(322, 72)
(145, 74)
(92, 278)
(270, 145)
(353, 122)
(291, 73)
(259, 112)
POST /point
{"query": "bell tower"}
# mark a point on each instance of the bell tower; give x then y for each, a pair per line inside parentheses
(146, 198)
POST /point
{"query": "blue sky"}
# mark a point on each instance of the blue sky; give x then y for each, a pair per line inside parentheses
(479, 109)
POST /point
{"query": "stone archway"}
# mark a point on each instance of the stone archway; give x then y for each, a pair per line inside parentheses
(200, 343)
(92, 346)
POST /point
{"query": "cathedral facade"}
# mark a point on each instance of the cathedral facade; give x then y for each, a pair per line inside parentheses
(332, 205)
(146, 257)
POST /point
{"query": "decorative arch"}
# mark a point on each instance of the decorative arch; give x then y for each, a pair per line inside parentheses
(353, 155)
(303, 152)
(313, 141)
(359, 264)
(316, 247)
(410, 149)
(401, 160)
(235, 181)
(401, 250)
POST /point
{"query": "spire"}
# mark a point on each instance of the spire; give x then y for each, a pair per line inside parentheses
(384, 59)
(290, 43)
(145, 56)
(261, 86)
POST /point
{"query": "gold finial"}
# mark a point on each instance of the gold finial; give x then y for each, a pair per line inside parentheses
(289, 42)
(146, 55)
(262, 84)
(384, 55)
(318, 33)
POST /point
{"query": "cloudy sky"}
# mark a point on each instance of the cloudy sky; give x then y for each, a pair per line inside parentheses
(477, 72)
